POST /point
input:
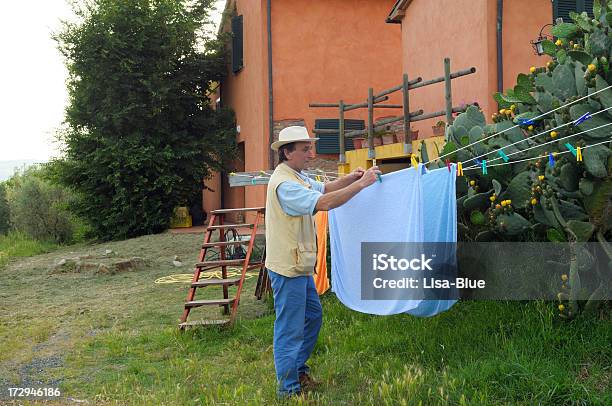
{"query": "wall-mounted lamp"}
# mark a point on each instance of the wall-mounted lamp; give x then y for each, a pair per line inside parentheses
(537, 44)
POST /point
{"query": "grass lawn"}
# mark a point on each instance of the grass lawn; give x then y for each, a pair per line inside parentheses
(113, 339)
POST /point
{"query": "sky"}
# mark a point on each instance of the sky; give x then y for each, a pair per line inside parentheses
(33, 92)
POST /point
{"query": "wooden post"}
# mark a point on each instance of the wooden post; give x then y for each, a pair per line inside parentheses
(341, 133)
(448, 93)
(371, 151)
(407, 134)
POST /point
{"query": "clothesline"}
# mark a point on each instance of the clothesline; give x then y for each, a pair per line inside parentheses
(535, 135)
(264, 174)
(538, 157)
(518, 125)
(540, 145)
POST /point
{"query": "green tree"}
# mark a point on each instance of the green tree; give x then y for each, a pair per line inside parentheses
(141, 134)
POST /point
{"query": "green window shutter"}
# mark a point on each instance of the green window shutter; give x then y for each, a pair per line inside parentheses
(562, 8)
(329, 143)
(237, 44)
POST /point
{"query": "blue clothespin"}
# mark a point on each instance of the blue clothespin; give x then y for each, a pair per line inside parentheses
(503, 155)
(379, 177)
(477, 161)
(252, 180)
(526, 121)
(582, 118)
(571, 148)
(484, 167)
(551, 160)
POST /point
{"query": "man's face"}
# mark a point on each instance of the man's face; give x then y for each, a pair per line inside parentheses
(302, 153)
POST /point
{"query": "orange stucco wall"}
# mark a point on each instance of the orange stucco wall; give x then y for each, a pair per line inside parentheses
(465, 31)
(324, 51)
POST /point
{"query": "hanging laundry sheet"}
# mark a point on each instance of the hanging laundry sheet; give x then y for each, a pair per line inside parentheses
(320, 276)
(411, 205)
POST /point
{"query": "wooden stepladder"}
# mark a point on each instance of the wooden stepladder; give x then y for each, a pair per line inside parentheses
(229, 304)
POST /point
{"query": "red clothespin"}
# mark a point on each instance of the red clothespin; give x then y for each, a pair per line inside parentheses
(448, 164)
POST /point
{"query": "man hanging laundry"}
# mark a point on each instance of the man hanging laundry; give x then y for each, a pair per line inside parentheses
(291, 252)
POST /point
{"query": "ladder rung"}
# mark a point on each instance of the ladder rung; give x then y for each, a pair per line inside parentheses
(221, 211)
(245, 225)
(225, 243)
(225, 262)
(204, 323)
(210, 282)
(198, 303)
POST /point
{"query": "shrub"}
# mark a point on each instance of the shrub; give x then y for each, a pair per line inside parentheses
(38, 208)
(4, 211)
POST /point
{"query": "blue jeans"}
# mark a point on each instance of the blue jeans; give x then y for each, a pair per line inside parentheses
(298, 320)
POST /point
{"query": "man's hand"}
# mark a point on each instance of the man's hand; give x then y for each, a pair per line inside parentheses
(370, 176)
(357, 173)
(336, 197)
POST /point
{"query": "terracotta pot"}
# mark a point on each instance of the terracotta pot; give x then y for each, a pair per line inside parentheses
(376, 141)
(388, 139)
(400, 137)
(414, 135)
(360, 142)
(438, 131)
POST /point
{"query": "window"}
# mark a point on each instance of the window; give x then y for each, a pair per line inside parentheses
(329, 143)
(237, 44)
(562, 8)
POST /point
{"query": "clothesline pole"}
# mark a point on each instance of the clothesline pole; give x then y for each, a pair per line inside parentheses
(371, 152)
(406, 99)
(341, 132)
(448, 92)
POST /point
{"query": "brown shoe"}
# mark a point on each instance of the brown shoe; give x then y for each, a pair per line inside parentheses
(307, 383)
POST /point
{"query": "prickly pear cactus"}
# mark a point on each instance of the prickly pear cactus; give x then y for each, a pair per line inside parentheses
(550, 195)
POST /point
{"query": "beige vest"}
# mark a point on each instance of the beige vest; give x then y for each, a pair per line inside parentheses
(291, 244)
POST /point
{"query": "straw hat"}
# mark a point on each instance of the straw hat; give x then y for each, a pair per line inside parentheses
(291, 134)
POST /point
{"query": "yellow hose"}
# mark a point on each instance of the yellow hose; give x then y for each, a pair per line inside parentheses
(187, 277)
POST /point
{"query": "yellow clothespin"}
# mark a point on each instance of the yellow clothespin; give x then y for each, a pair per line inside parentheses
(578, 154)
(413, 162)
(318, 178)
(232, 173)
(459, 169)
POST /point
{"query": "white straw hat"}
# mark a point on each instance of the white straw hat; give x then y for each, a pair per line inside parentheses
(291, 134)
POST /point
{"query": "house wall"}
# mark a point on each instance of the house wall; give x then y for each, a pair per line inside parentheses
(324, 51)
(465, 31)
(523, 20)
(246, 92)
